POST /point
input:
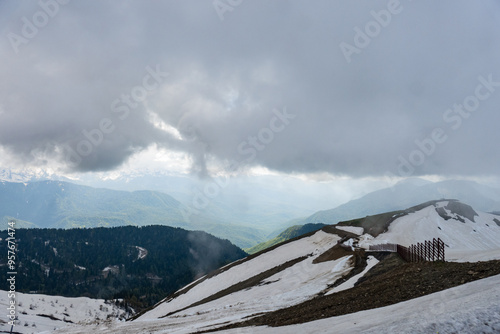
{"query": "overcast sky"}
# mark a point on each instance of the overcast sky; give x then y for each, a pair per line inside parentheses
(339, 87)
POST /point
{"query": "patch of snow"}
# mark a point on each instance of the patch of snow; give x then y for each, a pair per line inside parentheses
(349, 243)
(342, 264)
(143, 252)
(467, 255)
(192, 283)
(441, 204)
(114, 269)
(350, 282)
(365, 241)
(351, 229)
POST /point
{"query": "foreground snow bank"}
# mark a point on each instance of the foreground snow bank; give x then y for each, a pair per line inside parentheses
(37, 313)
(469, 308)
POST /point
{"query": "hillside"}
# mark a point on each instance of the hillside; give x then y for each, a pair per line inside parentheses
(331, 272)
(289, 233)
(57, 204)
(140, 264)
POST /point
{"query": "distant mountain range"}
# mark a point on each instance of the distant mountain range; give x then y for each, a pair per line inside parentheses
(25, 175)
(57, 204)
(245, 211)
(234, 216)
(260, 202)
(66, 205)
(406, 193)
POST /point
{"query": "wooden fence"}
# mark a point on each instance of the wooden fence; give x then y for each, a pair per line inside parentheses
(420, 252)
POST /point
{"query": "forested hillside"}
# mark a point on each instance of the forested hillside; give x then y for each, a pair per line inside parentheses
(140, 264)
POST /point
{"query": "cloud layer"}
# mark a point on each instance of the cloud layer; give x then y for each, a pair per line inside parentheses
(98, 81)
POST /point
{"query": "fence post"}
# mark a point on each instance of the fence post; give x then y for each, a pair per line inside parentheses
(426, 254)
(421, 251)
(434, 249)
(428, 248)
(435, 244)
(441, 248)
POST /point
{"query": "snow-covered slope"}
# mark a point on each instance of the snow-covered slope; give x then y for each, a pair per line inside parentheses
(38, 313)
(323, 264)
(286, 287)
(468, 235)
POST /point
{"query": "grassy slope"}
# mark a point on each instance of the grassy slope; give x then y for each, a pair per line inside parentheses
(287, 234)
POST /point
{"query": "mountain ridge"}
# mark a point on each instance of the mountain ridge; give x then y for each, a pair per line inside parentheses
(60, 204)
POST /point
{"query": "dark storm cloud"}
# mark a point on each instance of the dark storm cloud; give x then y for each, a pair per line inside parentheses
(371, 112)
